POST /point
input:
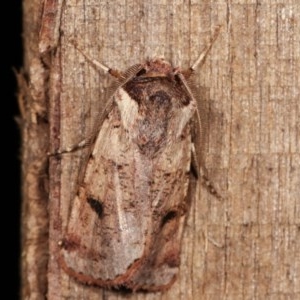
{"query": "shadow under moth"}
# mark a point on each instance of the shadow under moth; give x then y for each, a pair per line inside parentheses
(127, 219)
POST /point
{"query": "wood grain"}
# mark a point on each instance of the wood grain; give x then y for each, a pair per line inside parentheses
(245, 247)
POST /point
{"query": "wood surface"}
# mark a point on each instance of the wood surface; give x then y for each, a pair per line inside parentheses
(244, 247)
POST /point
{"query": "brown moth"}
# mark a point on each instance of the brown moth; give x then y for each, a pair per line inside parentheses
(127, 219)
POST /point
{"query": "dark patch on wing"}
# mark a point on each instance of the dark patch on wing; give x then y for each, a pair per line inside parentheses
(96, 206)
(170, 215)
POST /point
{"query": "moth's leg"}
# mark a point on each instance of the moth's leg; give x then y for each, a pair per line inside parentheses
(98, 65)
(201, 174)
(201, 58)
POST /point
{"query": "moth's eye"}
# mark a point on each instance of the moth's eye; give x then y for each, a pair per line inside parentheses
(96, 206)
(141, 72)
(169, 216)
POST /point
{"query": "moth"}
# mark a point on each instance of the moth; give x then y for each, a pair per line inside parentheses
(127, 219)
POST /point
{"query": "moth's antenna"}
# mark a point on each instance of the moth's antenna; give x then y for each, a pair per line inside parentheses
(200, 60)
(98, 65)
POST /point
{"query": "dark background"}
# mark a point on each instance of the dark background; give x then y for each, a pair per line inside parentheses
(11, 49)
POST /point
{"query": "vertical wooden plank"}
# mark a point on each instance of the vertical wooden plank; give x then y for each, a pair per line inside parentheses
(245, 247)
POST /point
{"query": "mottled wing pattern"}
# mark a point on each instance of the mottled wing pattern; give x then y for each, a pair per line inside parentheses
(127, 219)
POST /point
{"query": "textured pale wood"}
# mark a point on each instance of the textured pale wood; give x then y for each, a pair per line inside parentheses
(245, 247)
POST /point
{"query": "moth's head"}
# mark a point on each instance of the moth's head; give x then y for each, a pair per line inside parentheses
(158, 67)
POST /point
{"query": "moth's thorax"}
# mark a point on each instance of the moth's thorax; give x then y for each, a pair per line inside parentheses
(155, 108)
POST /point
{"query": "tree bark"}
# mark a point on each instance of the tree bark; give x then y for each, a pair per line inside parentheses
(244, 247)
